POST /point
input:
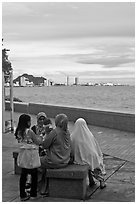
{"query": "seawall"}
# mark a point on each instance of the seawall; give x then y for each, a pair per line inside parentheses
(103, 118)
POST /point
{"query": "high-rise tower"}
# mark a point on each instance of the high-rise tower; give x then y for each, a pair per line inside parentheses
(67, 80)
(76, 81)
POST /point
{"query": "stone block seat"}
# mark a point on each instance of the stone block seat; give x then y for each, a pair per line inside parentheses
(68, 182)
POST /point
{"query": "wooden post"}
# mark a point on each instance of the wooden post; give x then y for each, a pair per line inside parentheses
(3, 103)
(11, 101)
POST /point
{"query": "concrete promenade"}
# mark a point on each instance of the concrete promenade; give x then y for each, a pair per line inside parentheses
(118, 148)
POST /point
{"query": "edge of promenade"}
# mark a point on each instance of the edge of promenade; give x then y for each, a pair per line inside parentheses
(124, 121)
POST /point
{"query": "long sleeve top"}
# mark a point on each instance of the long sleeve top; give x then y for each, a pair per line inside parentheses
(58, 145)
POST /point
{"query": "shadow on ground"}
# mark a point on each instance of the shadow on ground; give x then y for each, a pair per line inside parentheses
(120, 182)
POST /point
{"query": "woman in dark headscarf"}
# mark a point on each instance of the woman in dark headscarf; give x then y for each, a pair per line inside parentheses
(58, 145)
(39, 129)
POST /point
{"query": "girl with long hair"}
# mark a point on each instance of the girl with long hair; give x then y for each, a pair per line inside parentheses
(26, 136)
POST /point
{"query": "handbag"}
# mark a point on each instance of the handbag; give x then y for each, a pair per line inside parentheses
(28, 157)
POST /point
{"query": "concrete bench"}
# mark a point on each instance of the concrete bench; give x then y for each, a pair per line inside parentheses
(68, 182)
(17, 169)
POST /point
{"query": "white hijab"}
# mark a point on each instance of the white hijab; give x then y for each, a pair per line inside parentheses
(85, 147)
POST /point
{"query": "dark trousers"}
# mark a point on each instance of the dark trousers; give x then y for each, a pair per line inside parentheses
(22, 183)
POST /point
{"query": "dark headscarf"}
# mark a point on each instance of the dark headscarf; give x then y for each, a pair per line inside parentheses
(41, 114)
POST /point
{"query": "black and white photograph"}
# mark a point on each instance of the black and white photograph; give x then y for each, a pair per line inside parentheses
(68, 101)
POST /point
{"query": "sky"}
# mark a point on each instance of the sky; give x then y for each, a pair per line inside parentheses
(94, 41)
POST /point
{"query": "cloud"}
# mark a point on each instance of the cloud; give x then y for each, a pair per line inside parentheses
(74, 7)
(106, 73)
(16, 9)
(47, 15)
(44, 20)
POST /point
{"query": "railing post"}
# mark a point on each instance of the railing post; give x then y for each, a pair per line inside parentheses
(3, 104)
(11, 101)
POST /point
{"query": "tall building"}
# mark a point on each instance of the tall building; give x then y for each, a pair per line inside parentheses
(76, 81)
(45, 82)
(49, 82)
(23, 81)
(67, 80)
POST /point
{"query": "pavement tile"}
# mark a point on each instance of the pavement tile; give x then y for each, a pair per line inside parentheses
(114, 193)
(7, 163)
(120, 186)
(48, 199)
(112, 164)
(119, 156)
(125, 174)
(10, 187)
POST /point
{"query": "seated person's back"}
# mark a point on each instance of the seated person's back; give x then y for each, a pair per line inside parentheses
(58, 143)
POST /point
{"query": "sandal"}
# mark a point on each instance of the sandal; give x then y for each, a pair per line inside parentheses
(25, 198)
(44, 194)
(102, 185)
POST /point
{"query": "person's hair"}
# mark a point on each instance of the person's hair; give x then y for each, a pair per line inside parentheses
(22, 125)
(61, 120)
(47, 121)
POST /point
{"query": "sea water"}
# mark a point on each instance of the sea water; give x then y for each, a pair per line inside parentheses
(114, 98)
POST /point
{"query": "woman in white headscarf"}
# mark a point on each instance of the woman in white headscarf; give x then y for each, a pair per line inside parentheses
(86, 150)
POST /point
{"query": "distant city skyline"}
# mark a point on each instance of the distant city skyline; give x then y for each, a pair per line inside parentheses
(92, 41)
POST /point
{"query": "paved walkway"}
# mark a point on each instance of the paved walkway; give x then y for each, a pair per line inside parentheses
(116, 143)
(118, 147)
(113, 142)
